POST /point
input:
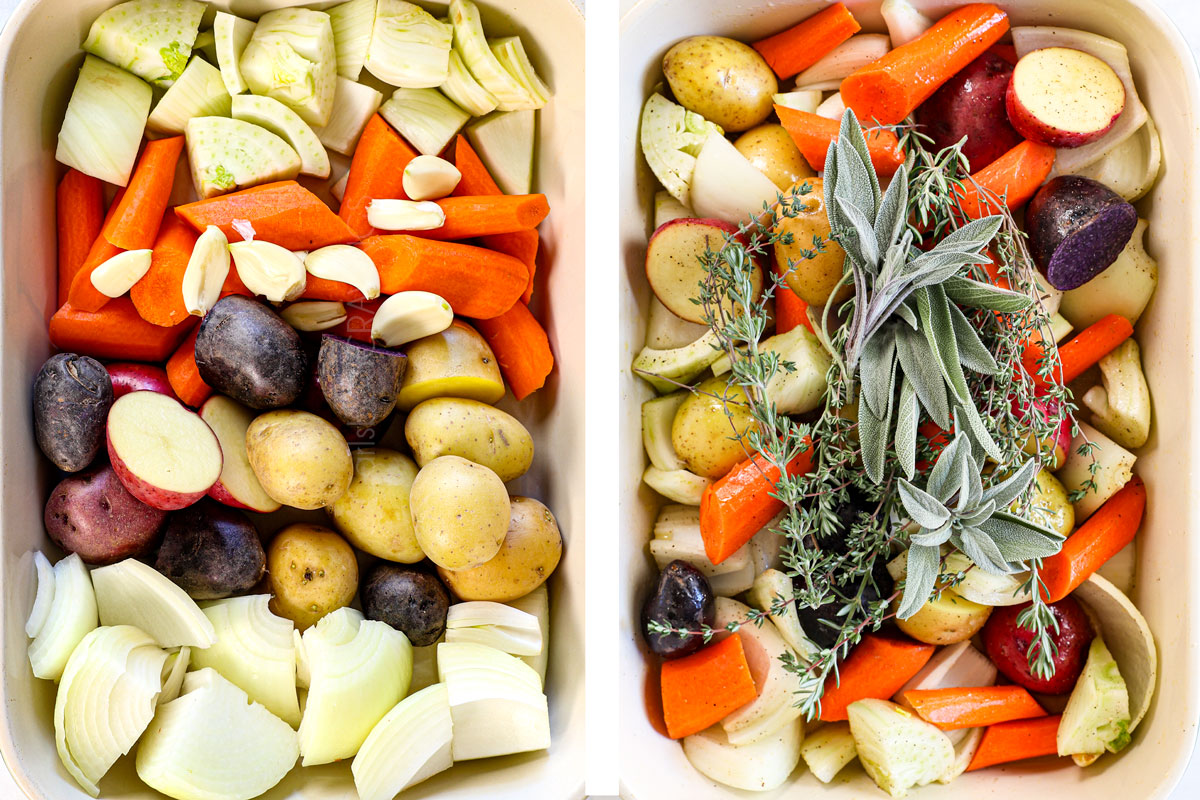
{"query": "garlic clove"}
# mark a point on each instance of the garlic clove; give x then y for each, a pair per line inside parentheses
(207, 269)
(407, 316)
(314, 315)
(405, 215)
(117, 276)
(269, 270)
(429, 178)
(346, 264)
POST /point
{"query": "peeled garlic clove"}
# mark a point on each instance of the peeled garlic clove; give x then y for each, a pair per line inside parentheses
(269, 270)
(408, 316)
(117, 276)
(430, 178)
(405, 215)
(206, 271)
(315, 315)
(346, 264)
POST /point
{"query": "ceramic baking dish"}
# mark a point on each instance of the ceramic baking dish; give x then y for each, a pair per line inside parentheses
(39, 55)
(653, 767)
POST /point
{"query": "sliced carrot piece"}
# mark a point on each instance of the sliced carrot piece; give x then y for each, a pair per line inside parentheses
(877, 667)
(284, 213)
(133, 225)
(1084, 350)
(1014, 176)
(80, 217)
(799, 47)
(376, 173)
(1017, 740)
(184, 375)
(702, 689)
(470, 217)
(522, 349)
(115, 332)
(814, 134)
(976, 707)
(158, 296)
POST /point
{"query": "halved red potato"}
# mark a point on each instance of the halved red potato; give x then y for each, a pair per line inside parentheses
(1064, 97)
(675, 263)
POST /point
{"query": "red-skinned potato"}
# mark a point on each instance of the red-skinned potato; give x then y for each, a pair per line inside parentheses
(674, 264)
(165, 455)
(1007, 645)
(94, 515)
(972, 104)
(1064, 97)
(129, 376)
(237, 487)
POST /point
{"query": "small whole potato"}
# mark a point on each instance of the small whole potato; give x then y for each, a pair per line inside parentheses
(531, 551)
(460, 512)
(813, 279)
(299, 459)
(722, 80)
(409, 600)
(312, 572)
(769, 147)
(701, 432)
(452, 426)
(71, 398)
(246, 351)
(454, 363)
(211, 551)
(949, 619)
(359, 381)
(94, 515)
(374, 514)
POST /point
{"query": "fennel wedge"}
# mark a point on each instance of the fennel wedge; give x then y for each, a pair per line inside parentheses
(291, 57)
(151, 38)
(105, 118)
(409, 47)
(199, 92)
(274, 116)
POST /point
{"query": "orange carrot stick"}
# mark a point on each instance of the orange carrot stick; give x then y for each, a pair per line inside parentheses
(325, 289)
(799, 47)
(790, 310)
(702, 689)
(522, 349)
(469, 217)
(952, 709)
(1014, 176)
(1017, 740)
(283, 212)
(1102, 536)
(184, 375)
(115, 331)
(133, 225)
(83, 296)
(158, 296)
(476, 282)
(888, 89)
(738, 505)
(376, 173)
(80, 217)
(1085, 350)
(521, 245)
(877, 667)
(814, 134)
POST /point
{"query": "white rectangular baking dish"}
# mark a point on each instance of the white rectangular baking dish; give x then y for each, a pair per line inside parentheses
(654, 767)
(39, 56)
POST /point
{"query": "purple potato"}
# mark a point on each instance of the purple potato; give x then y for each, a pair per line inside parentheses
(408, 599)
(972, 104)
(71, 398)
(359, 381)
(211, 551)
(246, 351)
(94, 515)
(682, 599)
(1077, 227)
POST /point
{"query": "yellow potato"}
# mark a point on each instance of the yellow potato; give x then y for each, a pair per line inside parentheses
(460, 512)
(949, 619)
(722, 80)
(454, 363)
(773, 153)
(300, 459)
(312, 572)
(1050, 506)
(813, 279)
(373, 513)
(452, 426)
(530, 552)
(701, 430)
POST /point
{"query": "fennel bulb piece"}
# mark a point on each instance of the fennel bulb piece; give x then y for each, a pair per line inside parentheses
(897, 748)
(666, 209)
(773, 593)
(496, 701)
(132, 593)
(1103, 472)
(291, 57)
(1097, 714)
(357, 671)
(496, 625)
(255, 652)
(105, 701)
(472, 46)
(505, 142)
(411, 743)
(760, 766)
(353, 106)
(671, 139)
(463, 89)
(828, 749)
(510, 52)
(232, 35)
(174, 670)
(206, 45)
(64, 612)
(537, 603)
(726, 186)
(199, 92)
(227, 154)
(105, 119)
(424, 666)
(213, 743)
(151, 38)
(266, 112)
(1131, 168)
(426, 118)
(658, 414)
(352, 25)
(409, 47)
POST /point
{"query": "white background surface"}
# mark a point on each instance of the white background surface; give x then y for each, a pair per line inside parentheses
(603, 47)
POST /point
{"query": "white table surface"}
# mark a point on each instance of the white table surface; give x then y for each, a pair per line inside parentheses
(1186, 14)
